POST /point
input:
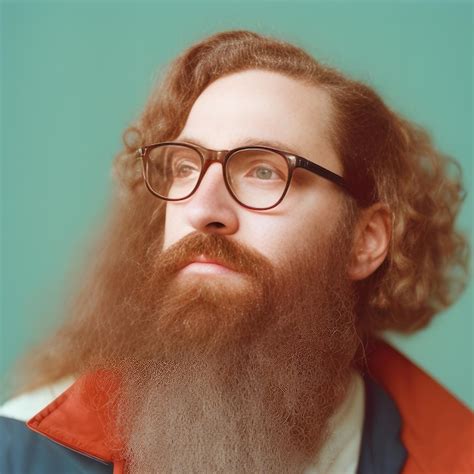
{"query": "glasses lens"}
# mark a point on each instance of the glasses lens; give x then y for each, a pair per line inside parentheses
(257, 177)
(173, 170)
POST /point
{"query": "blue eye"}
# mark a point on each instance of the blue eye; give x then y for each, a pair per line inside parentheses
(265, 173)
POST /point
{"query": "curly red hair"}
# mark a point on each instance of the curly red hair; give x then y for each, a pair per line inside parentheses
(385, 158)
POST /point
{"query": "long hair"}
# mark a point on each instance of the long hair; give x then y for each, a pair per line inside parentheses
(385, 159)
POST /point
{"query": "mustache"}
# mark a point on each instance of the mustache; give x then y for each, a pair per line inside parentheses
(225, 251)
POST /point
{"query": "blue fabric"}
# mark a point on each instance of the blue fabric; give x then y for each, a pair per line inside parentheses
(23, 451)
(382, 451)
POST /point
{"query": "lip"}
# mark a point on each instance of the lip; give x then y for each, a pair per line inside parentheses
(203, 264)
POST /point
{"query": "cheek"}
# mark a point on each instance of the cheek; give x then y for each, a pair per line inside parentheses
(280, 237)
(275, 237)
(173, 226)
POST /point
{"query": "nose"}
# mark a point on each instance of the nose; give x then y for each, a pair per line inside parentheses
(211, 209)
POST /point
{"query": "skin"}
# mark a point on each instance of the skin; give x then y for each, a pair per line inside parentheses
(295, 117)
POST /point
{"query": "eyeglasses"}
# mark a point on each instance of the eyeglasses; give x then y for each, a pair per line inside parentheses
(257, 177)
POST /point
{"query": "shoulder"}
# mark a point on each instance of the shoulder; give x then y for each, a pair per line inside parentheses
(437, 428)
(26, 405)
(23, 451)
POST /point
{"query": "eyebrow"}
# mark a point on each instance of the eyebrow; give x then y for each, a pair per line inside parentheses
(248, 141)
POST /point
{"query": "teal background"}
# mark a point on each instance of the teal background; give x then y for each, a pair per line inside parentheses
(73, 75)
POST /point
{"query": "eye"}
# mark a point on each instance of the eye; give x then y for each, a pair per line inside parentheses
(184, 169)
(264, 172)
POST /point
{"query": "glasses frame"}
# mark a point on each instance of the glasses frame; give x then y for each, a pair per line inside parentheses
(209, 156)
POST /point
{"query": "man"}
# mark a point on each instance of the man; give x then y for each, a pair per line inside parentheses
(227, 320)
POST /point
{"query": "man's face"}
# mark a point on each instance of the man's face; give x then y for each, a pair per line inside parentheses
(241, 109)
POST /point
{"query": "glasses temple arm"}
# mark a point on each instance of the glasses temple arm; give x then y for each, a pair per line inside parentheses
(323, 172)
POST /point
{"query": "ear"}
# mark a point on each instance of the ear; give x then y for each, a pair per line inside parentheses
(371, 241)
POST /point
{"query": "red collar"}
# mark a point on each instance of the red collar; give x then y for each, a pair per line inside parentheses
(437, 432)
(437, 429)
(81, 418)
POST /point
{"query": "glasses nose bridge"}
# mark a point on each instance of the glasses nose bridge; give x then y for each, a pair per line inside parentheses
(213, 156)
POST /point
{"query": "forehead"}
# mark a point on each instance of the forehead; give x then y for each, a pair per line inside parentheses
(264, 106)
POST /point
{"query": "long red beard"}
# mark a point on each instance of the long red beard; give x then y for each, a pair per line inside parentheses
(238, 377)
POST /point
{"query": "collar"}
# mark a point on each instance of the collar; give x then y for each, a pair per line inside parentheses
(437, 429)
(81, 418)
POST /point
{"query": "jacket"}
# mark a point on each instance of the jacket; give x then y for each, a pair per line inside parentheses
(436, 429)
